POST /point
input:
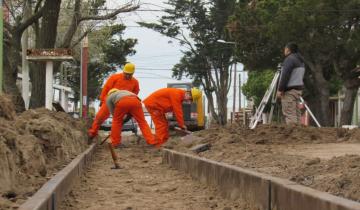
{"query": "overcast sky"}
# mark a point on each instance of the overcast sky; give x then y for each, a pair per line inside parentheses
(155, 54)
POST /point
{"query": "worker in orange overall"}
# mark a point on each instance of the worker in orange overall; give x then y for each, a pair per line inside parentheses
(121, 81)
(168, 100)
(120, 103)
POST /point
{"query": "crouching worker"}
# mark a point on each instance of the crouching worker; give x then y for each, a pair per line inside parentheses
(168, 100)
(121, 103)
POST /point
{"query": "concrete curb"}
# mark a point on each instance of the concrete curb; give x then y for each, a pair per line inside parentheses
(50, 195)
(256, 190)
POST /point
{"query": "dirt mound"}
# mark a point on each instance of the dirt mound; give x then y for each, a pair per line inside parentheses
(7, 110)
(33, 147)
(339, 176)
(280, 134)
(315, 157)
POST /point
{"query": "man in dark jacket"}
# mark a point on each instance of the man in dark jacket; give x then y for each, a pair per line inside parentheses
(291, 83)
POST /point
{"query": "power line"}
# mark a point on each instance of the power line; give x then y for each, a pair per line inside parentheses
(163, 10)
(157, 78)
(156, 56)
(156, 5)
(162, 76)
(168, 69)
(112, 10)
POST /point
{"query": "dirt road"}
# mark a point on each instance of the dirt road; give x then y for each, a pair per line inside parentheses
(143, 183)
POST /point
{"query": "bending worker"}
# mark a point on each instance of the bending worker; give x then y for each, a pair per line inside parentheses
(291, 83)
(121, 81)
(168, 100)
(120, 103)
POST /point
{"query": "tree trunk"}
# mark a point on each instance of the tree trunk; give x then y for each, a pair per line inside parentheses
(324, 101)
(222, 100)
(46, 39)
(11, 62)
(210, 99)
(352, 86)
(348, 108)
(322, 92)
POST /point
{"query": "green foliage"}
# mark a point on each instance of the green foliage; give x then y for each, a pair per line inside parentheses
(206, 24)
(197, 25)
(257, 84)
(327, 31)
(258, 49)
(97, 72)
(335, 85)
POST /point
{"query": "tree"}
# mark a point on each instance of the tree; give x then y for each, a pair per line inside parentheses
(12, 45)
(49, 29)
(45, 30)
(45, 39)
(326, 31)
(198, 25)
(257, 84)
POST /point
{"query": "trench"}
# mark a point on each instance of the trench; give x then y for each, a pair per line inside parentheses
(144, 182)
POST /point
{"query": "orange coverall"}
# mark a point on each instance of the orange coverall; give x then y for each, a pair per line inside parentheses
(163, 101)
(117, 81)
(129, 105)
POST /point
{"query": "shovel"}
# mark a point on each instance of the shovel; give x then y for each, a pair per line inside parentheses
(182, 131)
(188, 137)
(103, 141)
(112, 152)
(114, 157)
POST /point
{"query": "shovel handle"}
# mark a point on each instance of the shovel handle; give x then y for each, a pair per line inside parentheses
(114, 157)
(182, 130)
(103, 141)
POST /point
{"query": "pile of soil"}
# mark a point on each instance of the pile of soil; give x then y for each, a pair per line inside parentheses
(276, 150)
(7, 110)
(281, 134)
(33, 146)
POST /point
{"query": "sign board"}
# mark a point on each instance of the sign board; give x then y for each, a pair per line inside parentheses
(58, 54)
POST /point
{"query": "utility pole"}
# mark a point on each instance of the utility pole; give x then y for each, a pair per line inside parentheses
(1, 45)
(234, 95)
(83, 78)
(25, 64)
(239, 91)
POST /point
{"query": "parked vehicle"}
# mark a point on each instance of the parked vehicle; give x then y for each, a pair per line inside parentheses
(193, 112)
(130, 125)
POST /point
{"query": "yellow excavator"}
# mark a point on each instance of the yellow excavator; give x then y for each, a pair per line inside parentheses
(194, 113)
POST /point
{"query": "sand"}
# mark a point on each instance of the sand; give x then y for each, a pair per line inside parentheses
(33, 147)
(326, 159)
(143, 183)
